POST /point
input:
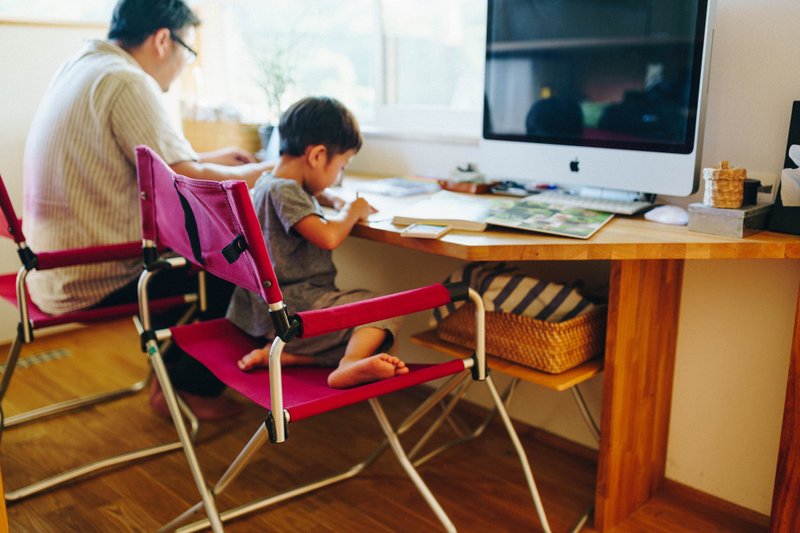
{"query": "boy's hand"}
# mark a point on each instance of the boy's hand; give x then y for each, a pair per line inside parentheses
(361, 208)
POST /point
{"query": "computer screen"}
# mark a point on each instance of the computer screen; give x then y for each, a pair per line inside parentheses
(606, 94)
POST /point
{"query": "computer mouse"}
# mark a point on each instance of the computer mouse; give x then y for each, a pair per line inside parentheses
(668, 214)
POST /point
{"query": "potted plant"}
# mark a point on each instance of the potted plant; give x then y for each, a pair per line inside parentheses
(273, 76)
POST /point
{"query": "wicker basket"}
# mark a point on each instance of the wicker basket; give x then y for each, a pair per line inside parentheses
(724, 186)
(552, 347)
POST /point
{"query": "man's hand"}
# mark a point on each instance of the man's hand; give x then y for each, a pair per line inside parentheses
(229, 157)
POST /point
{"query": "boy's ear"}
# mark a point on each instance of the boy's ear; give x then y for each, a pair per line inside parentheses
(317, 155)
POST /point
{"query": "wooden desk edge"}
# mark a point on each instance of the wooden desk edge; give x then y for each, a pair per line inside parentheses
(631, 239)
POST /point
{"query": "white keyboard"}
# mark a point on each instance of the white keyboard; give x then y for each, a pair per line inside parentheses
(622, 207)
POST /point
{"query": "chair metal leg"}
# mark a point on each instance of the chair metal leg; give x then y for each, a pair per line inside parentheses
(11, 363)
(433, 399)
(258, 439)
(397, 448)
(594, 429)
(76, 403)
(185, 439)
(75, 473)
(591, 424)
(477, 432)
(102, 464)
(445, 415)
(506, 400)
(263, 503)
(526, 467)
(583, 520)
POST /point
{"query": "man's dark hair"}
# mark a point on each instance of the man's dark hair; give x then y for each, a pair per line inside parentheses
(135, 20)
(318, 120)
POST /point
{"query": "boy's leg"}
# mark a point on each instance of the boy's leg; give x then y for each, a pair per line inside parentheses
(197, 385)
(359, 365)
(260, 357)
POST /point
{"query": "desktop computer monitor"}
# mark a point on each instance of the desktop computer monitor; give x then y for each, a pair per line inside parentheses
(605, 95)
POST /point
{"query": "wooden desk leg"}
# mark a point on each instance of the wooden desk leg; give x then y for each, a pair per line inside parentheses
(785, 507)
(3, 513)
(644, 302)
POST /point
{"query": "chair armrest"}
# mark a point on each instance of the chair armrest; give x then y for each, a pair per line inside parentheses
(88, 255)
(322, 321)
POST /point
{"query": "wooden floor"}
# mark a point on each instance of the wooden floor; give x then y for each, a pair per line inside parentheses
(479, 484)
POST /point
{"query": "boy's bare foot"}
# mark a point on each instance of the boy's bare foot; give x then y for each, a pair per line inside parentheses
(260, 357)
(356, 372)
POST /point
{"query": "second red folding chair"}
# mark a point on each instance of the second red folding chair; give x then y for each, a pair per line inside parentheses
(32, 319)
(214, 225)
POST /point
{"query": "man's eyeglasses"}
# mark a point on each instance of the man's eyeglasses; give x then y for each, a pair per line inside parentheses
(189, 53)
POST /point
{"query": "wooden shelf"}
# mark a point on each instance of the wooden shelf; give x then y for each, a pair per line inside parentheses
(557, 382)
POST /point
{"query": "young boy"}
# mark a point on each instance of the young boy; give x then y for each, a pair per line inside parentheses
(318, 138)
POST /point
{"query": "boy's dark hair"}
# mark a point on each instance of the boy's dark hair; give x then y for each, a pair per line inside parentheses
(134, 21)
(318, 120)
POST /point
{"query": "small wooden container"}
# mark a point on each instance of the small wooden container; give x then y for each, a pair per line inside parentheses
(724, 186)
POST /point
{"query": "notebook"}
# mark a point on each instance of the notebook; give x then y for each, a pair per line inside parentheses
(466, 212)
(397, 186)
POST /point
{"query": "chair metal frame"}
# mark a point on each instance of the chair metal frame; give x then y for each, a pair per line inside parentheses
(448, 415)
(25, 335)
(274, 428)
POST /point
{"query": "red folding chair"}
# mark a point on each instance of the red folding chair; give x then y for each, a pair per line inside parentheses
(214, 226)
(31, 318)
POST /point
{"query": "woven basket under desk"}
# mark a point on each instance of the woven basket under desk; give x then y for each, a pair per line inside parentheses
(552, 347)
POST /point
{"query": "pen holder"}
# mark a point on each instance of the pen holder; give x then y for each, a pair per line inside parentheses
(724, 186)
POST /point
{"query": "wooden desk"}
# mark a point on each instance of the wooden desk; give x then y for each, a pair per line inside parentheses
(647, 261)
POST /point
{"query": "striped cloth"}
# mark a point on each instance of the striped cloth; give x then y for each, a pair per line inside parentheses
(507, 289)
(79, 176)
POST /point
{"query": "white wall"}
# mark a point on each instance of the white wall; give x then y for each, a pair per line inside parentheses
(734, 340)
(29, 56)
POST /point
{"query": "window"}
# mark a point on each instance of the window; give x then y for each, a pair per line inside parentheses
(98, 11)
(433, 58)
(400, 65)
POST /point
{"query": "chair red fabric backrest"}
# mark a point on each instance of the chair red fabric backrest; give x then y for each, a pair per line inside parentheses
(212, 224)
(10, 225)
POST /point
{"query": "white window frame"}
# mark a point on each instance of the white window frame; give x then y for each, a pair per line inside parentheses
(413, 121)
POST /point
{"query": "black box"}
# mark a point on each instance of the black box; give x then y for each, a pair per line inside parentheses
(787, 219)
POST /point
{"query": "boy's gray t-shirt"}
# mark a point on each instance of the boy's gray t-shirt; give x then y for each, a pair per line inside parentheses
(305, 271)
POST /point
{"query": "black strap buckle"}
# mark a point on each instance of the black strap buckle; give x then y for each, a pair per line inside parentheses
(236, 248)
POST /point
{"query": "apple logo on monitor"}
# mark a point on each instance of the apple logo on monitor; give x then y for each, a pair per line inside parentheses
(573, 165)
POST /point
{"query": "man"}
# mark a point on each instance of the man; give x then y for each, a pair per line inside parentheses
(80, 184)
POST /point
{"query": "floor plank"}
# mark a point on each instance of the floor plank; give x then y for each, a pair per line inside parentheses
(479, 483)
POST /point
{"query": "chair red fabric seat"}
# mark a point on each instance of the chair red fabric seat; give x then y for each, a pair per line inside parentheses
(218, 344)
(40, 319)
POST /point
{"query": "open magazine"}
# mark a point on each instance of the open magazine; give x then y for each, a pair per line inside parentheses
(473, 212)
(532, 215)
